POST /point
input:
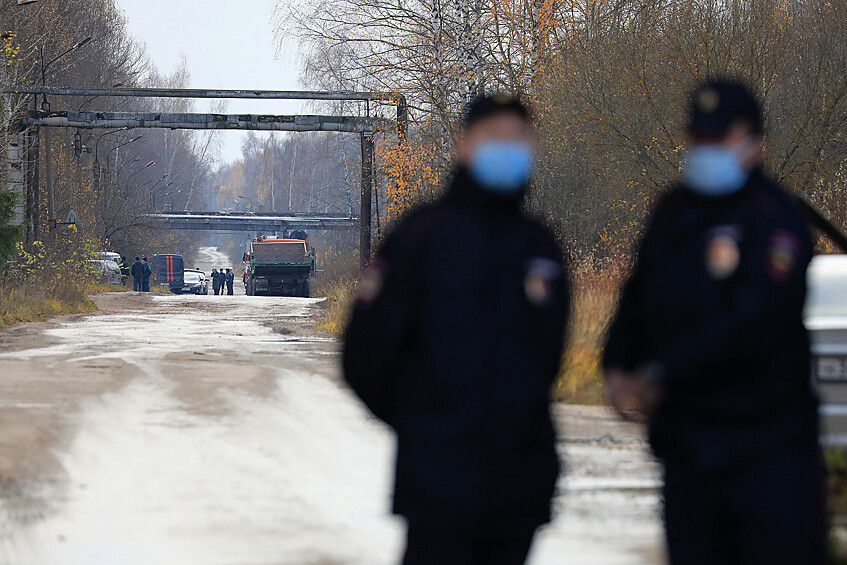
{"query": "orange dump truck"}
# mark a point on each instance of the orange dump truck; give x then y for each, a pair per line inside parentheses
(279, 267)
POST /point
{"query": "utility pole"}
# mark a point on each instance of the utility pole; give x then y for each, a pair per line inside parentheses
(291, 174)
(48, 147)
(367, 191)
(101, 204)
(273, 154)
(48, 172)
(33, 194)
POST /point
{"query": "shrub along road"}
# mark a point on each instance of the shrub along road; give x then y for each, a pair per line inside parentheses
(215, 430)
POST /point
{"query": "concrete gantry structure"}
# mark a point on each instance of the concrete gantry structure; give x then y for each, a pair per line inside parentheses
(365, 126)
(132, 120)
(239, 221)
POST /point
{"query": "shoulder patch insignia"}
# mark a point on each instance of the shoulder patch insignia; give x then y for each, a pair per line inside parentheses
(722, 253)
(783, 249)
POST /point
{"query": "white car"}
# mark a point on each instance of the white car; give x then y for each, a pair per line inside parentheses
(109, 256)
(826, 320)
(194, 282)
(108, 271)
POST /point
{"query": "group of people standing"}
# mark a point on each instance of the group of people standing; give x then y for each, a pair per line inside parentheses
(141, 271)
(223, 280)
(458, 351)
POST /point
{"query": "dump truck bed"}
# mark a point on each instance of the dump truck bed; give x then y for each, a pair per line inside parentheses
(284, 252)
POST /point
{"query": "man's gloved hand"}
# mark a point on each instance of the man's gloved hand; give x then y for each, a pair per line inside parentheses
(633, 396)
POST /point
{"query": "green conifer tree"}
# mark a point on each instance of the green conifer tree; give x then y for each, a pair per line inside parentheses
(10, 234)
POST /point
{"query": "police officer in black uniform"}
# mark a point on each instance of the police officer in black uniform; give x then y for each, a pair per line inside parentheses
(455, 341)
(709, 344)
(137, 272)
(229, 281)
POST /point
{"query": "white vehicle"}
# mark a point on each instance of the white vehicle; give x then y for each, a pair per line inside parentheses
(109, 256)
(826, 320)
(194, 282)
(108, 271)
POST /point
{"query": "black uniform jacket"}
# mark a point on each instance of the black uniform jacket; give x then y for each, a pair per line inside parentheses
(455, 341)
(716, 300)
(137, 269)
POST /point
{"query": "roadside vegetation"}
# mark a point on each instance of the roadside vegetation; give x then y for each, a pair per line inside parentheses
(593, 299)
(18, 306)
(337, 279)
(45, 282)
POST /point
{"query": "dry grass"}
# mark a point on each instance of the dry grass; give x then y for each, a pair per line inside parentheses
(98, 287)
(44, 281)
(336, 270)
(337, 280)
(339, 302)
(34, 305)
(159, 289)
(595, 293)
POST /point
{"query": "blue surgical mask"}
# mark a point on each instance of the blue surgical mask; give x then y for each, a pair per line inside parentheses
(715, 171)
(502, 167)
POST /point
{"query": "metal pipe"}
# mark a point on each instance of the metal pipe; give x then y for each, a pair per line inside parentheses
(246, 223)
(126, 120)
(394, 97)
(203, 93)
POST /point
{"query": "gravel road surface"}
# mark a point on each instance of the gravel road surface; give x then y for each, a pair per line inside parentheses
(215, 431)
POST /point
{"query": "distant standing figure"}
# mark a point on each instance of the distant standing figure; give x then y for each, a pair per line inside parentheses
(145, 279)
(137, 272)
(230, 281)
(216, 282)
(222, 280)
(124, 267)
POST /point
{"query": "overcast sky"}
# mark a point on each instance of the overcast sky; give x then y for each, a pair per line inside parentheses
(227, 43)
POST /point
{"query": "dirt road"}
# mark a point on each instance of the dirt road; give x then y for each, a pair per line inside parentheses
(214, 430)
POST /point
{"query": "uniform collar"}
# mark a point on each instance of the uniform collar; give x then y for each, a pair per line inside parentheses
(465, 191)
(754, 180)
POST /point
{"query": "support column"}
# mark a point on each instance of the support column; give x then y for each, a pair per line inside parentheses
(402, 120)
(367, 191)
(27, 199)
(98, 205)
(36, 185)
(17, 171)
(32, 192)
(48, 172)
